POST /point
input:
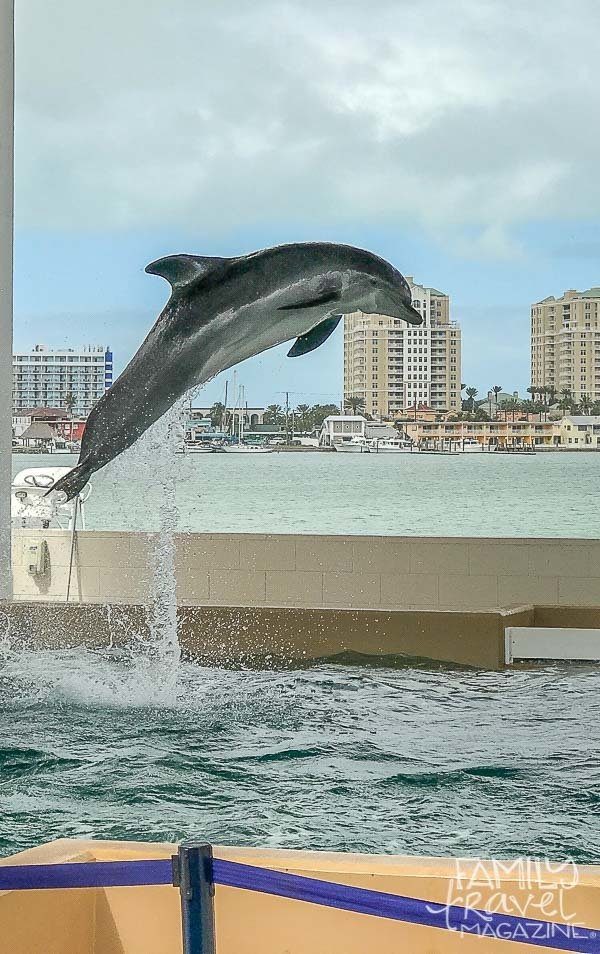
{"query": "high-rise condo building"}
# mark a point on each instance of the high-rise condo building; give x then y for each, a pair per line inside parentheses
(392, 365)
(46, 378)
(565, 343)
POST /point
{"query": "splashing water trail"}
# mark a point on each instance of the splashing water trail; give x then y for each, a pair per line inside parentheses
(156, 656)
(163, 651)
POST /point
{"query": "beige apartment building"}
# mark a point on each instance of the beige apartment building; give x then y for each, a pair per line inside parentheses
(565, 343)
(392, 365)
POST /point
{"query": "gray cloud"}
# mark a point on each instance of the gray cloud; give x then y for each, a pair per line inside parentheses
(465, 118)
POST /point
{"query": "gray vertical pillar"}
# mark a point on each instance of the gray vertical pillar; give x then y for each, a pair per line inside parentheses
(6, 283)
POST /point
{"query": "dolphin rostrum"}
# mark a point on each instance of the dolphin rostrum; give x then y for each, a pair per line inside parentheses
(224, 310)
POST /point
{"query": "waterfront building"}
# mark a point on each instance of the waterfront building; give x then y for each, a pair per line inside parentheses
(252, 415)
(491, 404)
(391, 365)
(418, 412)
(565, 343)
(575, 432)
(578, 431)
(338, 428)
(68, 427)
(66, 378)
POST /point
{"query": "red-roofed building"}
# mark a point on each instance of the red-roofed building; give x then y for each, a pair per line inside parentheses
(70, 429)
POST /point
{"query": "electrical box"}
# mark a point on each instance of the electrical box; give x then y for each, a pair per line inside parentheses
(38, 558)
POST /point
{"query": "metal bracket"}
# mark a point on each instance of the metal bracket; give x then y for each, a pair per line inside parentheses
(192, 874)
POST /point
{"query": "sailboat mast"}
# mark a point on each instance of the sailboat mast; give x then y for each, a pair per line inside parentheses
(235, 397)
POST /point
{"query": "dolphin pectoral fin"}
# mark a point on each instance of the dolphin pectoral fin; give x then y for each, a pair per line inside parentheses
(179, 270)
(315, 337)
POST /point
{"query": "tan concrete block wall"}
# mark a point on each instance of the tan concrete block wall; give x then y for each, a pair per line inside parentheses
(319, 571)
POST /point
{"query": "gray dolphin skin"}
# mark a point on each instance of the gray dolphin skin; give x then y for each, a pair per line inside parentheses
(224, 310)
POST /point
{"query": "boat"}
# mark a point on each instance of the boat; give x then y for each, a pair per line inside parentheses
(471, 445)
(356, 445)
(248, 449)
(241, 447)
(197, 447)
(140, 898)
(33, 509)
(392, 445)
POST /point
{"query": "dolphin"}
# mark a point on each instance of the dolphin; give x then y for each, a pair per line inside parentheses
(224, 310)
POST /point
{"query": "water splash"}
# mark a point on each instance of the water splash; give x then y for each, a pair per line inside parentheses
(155, 656)
(161, 650)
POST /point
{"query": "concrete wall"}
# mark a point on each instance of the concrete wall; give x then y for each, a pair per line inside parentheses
(275, 635)
(358, 572)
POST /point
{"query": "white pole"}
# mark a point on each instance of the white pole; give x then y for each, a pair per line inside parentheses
(6, 284)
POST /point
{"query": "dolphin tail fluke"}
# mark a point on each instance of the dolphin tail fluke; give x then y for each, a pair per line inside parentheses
(73, 482)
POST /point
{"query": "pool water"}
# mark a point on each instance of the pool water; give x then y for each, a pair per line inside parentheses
(417, 760)
(503, 495)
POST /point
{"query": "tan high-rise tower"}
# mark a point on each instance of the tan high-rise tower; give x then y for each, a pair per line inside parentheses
(565, 343)
(392, 365)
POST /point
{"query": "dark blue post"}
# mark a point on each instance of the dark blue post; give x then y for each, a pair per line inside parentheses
(192, 874)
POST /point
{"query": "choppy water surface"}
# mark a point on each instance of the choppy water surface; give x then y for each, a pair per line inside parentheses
(415, 760)
(552, 494)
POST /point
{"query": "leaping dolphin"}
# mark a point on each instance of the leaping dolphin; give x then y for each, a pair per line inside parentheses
(224, 310)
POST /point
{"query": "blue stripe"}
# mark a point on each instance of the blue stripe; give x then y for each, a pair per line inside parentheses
(545, 934)
(114, 874)
(94, 874)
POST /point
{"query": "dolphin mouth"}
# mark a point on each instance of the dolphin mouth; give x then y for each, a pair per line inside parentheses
(405, 312)
(412, 316)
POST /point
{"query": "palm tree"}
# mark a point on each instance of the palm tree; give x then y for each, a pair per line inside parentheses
(585, 404)
(497, 389)
(534, 390)
(551, 392)
(356, 403)
(319, 412)
(505, 406)
(472, 394)
(216, 414)
(510, 405)
(70, 401)
(565, 404)
(302, 412)
(273, 414)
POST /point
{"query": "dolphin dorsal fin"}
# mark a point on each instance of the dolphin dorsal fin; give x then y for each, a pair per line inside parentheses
(179, 270)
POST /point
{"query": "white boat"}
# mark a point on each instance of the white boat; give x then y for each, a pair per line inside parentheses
(392, 445)
(32, 509)
(248, 449)
(471, 445)
(198, 448)
(356, 445)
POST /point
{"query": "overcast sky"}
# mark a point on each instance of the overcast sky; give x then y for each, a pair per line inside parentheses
(459, 140)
